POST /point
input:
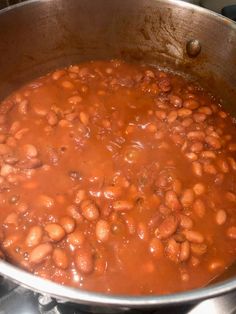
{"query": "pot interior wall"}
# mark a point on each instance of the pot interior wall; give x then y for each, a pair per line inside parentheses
(42, 35)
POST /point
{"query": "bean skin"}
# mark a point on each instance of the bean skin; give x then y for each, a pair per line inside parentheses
(112, 192)
(191, 104)
(60, 258)
(102, 230)
(186, 222)
(221, 217)
(213, 142)
(197, 168)
(76, 238)
(199, 189)
(142, 231)
(34, 236)
(30, 151)
(84, 261)
(39, 253)
(55, 231)
(122, 205)
(173, 250)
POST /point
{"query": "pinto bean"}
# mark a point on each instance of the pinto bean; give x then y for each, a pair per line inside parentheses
(196, 136)
(102, 230)
(167, 228)
(191, 156)
(184, 251)
(11, 218)
(232, 163)
(177, 186)
(30, 151)
(39, 253)
(112, 192)
(221, 217)
(171, 200)
(187, 197)
(184, 112)
(231, 232)
(89, 210)
(208, 154)
(176, 101)
(84, 261)
(206, 110)
(142, 231)
(122, 205)
(191, 104)
(230, 197)
(199, 188)
(199, 208)
(172, 116)
(186, 222)
(76, 238)
(52, 118)
(199, 117)
(198, 248)
(173, 250)
(213, 142)
(223, 165)
(55, 231)
(197, 168)
(209, 168)
(196, 147)
(34, 236)
(60, 258)
(156, 248)
(193, 236)
(68, 224)
(232, 147)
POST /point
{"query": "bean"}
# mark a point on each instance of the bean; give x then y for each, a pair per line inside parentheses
(12, 218)
(52, 118)
(176, 101)
(165, 85)
(223, 165)
(22, 207)
(160, 114)
(6, 170)
(186, 222)
(198, 248)
(58, 74)
(156, 248)
(171, 200)
(122, 205)
(80, 196)
(173, 250)
(84, 261)
(10, 240)
(172, 116)
(55, 231)
(84, 118)
(130, 222)
(232, 147)
(199, 117)
(112, 192)
(39, 253)
(102, 230)
(89, 210)
(195, 261)
(199, 188)
(76, 238)
(45, 201)
(191, 156)
(206, 110)
(142, 231)
(209, 168)
(221, 217)
(231, 232)
(199, 208)
(74, 100)
(187, 122)
(23, 106)
(231, 197)
(184, 112)
(215, 266)
(191, 104)
(193, 236)
(73, 211)
(67, 85)
(68, 224)
(60, 258)
(196, 136)
(187, 197)
(213, 142)
(34, 236)
(232, 163)
(197, 168)
(196, 147)
(20, 134)
(177, 186)
(184, 251)
(167, 228)
(30, 151)
(208, 154)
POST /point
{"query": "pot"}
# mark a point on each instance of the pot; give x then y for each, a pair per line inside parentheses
(41, 35)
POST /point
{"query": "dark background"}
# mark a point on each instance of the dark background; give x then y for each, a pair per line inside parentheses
(6, 3)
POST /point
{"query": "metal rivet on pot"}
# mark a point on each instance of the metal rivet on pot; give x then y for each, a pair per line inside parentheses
(193, 48)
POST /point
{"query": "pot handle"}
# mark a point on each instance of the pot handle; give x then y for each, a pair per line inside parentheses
(230, 12)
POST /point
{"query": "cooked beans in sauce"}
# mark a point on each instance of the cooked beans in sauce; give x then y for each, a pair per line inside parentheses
(119, 178)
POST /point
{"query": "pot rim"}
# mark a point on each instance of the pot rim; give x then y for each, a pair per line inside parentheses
(76, 295)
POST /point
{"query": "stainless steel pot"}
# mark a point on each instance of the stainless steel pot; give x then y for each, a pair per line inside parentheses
(41, 35)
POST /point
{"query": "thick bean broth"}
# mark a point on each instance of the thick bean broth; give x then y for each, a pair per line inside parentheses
(117, 178)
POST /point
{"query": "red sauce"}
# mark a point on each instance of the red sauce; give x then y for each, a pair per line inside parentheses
(117, 178)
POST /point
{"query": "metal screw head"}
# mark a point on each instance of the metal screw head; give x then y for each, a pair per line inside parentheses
(193, 48)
